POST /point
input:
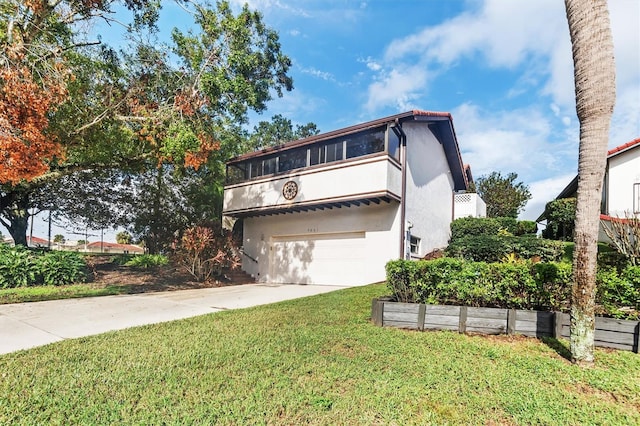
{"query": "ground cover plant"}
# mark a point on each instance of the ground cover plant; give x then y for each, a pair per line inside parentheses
(317, 360)
(108, 275)
(21, 267)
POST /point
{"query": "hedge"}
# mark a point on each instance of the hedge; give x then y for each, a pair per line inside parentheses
(494, 248)
(468, 226)
(518, 285)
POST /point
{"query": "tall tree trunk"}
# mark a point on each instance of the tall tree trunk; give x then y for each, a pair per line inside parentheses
(15, 212)
(594, 74)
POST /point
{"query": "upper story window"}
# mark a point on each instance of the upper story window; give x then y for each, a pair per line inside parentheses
(414, 245)
(636, 198)
(350, 146)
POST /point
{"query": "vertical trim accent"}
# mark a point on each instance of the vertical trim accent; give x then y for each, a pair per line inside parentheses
(422, 310)
(511, 321)
(403, 207)
(557, 325)
(462, 322)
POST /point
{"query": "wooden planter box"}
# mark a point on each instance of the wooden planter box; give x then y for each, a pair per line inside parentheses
(610, 332)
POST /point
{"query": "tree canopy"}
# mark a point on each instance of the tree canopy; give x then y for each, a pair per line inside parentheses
(70, 104)
(503, 195)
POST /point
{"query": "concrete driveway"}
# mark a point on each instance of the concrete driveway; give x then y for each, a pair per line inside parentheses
(27, 325)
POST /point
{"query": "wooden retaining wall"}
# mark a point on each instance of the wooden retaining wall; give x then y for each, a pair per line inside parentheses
(610, 332)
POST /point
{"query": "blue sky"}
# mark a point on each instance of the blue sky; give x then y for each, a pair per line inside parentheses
(502, 68)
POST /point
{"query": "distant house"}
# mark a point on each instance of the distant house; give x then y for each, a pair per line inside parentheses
(106, 247)
(334, 208)
(621, 186)
(36, 242)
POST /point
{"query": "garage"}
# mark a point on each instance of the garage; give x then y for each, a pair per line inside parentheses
(327, 259)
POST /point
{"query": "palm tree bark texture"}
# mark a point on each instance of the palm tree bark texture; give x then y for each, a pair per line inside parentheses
(594, 75)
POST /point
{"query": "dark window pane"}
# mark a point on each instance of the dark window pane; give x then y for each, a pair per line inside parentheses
(364, 144)
(334, 152)
(317, 155)
(394, 144)
(269, 166)
(236, 173)
(256, 168)
(293, 159)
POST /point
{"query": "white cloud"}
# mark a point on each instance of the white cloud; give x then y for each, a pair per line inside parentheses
(268, 6)
(529, 37)
(543, 191)
(504, 32)
(317, 73)
(397, 87)
(519, 140)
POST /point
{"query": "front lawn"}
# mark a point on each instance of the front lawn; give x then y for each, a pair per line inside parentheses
(316, 360)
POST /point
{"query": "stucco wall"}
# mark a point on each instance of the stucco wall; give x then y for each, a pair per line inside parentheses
(353, 178)
(429, 188)
(624, 171)
(380, 225)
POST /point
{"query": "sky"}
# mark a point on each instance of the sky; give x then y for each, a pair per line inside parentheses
(502, 68)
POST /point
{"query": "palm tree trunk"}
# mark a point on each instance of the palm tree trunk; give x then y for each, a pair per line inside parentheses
(594, 74)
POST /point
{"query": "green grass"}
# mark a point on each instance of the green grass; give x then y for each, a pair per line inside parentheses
(41, 293)
(316, 360)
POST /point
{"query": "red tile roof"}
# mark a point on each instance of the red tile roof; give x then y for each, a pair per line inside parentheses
(624, 147)
(37, 240)
(106, 244)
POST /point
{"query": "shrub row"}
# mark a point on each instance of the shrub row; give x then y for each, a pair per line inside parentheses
(468, 226)
(494, 248)
(520, 285)
(20, 267)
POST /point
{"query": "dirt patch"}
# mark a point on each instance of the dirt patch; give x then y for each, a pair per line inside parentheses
(104, 273)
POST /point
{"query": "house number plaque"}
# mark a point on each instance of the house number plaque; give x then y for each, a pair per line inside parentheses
(290, 190)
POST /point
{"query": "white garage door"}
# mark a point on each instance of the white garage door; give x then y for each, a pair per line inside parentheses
(330, 259)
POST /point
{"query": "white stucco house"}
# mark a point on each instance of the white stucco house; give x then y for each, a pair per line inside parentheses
(334, 208)
(621, 186)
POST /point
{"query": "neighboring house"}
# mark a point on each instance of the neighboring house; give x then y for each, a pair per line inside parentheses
(36, 242)
(621, 187)
(334, 208)
(105, 247)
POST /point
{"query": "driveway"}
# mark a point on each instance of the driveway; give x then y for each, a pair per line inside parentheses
(27, 325)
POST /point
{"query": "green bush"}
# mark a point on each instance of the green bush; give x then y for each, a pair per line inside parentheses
(147, 260)
(494, 248)
(479, 248)
(121, 259)
(468, 226)
(526, 227)
(506, 226)
(520, 285)
(61, 268)
(618, 294)
(21, 267)
(17, 267)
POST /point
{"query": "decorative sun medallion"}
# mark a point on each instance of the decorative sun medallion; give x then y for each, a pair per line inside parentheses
(290, 190)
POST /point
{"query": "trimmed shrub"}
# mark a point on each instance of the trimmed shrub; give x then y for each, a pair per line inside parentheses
(61, 268)
(479, 248)
(527, 227)
(519, 285)
(468, 226)
(494, 248)
(505, 226)
(619, 293)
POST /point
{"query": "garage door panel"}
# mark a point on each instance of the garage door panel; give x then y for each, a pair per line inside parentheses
(337, 259)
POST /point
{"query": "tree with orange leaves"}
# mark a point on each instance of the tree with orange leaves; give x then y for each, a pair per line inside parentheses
(68, 104)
